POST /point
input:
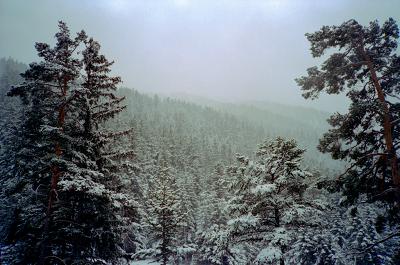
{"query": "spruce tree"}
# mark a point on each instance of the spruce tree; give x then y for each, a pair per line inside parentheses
(188, 226)
(215, 247)
(164, 215)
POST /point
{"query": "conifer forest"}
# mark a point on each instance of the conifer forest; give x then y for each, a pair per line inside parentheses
(189, 132)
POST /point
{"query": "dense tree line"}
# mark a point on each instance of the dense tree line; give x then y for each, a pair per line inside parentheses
(62, 188)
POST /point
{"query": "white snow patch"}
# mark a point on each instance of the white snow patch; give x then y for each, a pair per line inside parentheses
(264, 189)
(144, 262)
(269, 254)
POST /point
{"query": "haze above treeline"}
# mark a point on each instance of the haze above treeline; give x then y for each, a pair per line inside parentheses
(230, 51)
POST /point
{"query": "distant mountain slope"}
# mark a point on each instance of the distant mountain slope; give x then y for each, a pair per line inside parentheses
(240, 126)
(281, 119)
(308, 116)
(306, 125)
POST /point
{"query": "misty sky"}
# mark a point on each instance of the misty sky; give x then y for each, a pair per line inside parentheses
(225, 50)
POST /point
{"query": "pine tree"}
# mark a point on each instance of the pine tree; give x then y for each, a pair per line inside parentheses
(164, 216)
(268, 209)
(186, 232)
(95, 203)
(213, 199)
(365, 66)
(214, 238)
(44, 95)
(216, 248)
(73, 202)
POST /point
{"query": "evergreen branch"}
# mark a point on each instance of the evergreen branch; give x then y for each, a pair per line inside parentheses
(115, 134)
(357, 163)
(385, 192)
(397, 233)
(56, 258)
(396, 121)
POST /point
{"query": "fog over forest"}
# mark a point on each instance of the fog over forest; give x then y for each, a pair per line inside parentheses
(223, 50)
(190, 132)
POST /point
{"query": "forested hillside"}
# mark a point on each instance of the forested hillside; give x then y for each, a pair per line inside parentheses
(220, 130)
(95, 173)
(306, 125)
(10, 71)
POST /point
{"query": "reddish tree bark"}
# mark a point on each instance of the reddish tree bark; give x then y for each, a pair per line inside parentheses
(55, 171)
(387, 124)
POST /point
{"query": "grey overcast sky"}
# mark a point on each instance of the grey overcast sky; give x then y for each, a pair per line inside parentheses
(224, 50)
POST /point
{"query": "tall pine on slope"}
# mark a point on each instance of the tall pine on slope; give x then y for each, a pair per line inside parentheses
(70, 209)
(94, 202)
(365, 66)
(31, 190)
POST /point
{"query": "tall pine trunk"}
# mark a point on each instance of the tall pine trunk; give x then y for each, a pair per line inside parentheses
(387, 124)
(55, 175)
(55, 170)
